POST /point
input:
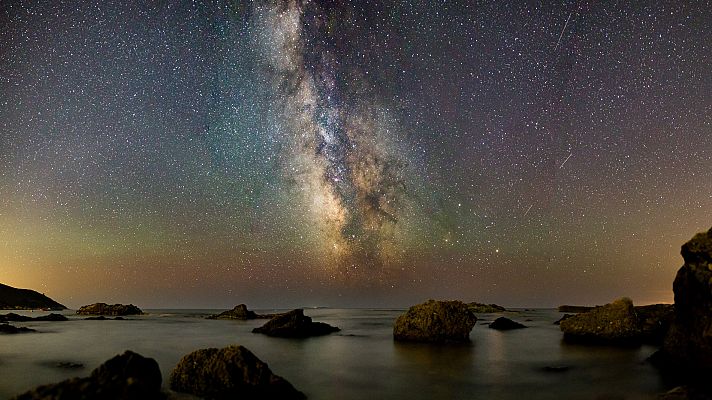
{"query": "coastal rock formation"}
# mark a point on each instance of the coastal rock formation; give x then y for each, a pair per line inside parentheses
(435, 321)
(12, 317)
(688, 344)
(505, 324)
(25, 299)
(10, 329)
(231, 372)
(481, 308)
(563, 318)
(294, 324)
(614, 323)
(124, 377)
(109, 309)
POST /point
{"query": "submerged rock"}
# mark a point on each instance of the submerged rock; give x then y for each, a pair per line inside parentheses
(481, 308)
(505, 324)
(294, 324)
(10, 329)
(125, 377)
(435, 321)
(688, 344)
(109, 309)
(103, 318)
(231, 372)
(614, 323)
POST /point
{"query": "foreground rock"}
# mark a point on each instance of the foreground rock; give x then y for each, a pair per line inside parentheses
(688, 345)
(435, 321)
(654, 321)
(25, 299)
(10, 329)
(231, 372)
(124, 377)
(481, 308)
(505, 324)
(294, 324)
(12, 317)
(614, 323)
(240, 312)
(109, 309)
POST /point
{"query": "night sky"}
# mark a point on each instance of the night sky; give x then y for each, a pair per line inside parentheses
(365, 153)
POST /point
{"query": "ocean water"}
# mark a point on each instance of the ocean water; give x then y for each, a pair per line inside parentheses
(360, 362)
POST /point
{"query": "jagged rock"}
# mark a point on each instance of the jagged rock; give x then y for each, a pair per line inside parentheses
(231, 372)
(25, 299)
(10, 329)
(575, 309)
(239, 312)
(614, 323)
(481, 308)
(12, 317)
(688, 344)
(109, 309)
(563, 318)
(505, 324)
(435, 321)
(294, 324)
(125, 377)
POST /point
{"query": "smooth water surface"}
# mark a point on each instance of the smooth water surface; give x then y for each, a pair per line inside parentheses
(362, 361)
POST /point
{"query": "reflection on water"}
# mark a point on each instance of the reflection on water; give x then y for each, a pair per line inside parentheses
(361, 361)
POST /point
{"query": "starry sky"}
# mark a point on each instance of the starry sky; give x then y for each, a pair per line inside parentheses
(352, 153)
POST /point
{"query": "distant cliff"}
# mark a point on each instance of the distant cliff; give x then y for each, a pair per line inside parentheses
(25, 299)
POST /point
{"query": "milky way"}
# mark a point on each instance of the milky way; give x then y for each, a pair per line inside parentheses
(340, 154)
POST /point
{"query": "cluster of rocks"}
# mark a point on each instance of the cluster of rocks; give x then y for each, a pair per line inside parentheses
(6, 328)
(481, 308)
(231, 372)
(241, 313)
(109, 309)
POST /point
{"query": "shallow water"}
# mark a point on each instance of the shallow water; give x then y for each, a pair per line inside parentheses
(361, 361)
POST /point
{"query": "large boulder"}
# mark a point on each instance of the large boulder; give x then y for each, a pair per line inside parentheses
(614, 323)
(125, 377)
(231, 372)
(435, 321)
(294, 324)
(654, 321)
(688, 343)
(505, 324)
(109, 309)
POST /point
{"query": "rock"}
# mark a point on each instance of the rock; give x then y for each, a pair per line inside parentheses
(25, 299)
(12, 317)
(480, 308)
(231, 372)
(688, 344)
(685, 393)
(435, 321)
(294, 324)
(563, 318)
(239, 312)
(614, 323)
(575, 309)
(124, 377)
(505, 324)
(10, 329)
(107, 309)
(654, 321)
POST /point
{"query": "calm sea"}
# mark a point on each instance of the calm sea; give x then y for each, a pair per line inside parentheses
(360, 362)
